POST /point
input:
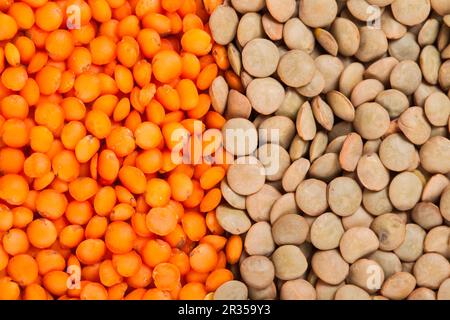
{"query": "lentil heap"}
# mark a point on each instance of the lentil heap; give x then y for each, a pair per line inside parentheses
(351, 198)
(95, 98)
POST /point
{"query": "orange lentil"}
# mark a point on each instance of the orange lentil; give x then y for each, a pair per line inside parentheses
(13, 189)
(38, 35)
(85, 33)
(220, 56)
(217, 242)
(96, 227)
(166, 66)
(142, 278)
(173, 116)
(157, 193)
(217, 278)
(56, 282)
(49, 114)
(233, 249)
(192, 21)
(211, 177)
(214, 120)
(15, 241)
(30, 92)
(87, 86)
(11, 160)
(119, 237)
(206, 60)
(196, 41)
(79, 212)
(71, 236)
(41, 139)
(91, 251)
(188, 6)
(108, 275)
(12, 54)
(136, 294)
(105, 103)
(9, 290)
(168, 97)
(166, 276)
(161, 221)
(14, 78)
(74, 109)
(210, 5)
(155, 252)
(233, 80)
(26, 48)
(149, 161)
(203, 258)
(108, 165)
(156, 294)
(159, 22)
(50, 260)
(122, 109)
(79, 60)
(124, 195)
(90, 273)
(127, 264)
(193, 291)
(42, 233)
(175, 135)
(51, 203)
(142, 72)
(148, 135)
(86, 148)
(194, 225)
(207, 76)
(122, 212)
(124, 78)
(117, 292)
(22, 216)
(181, 260)
(98, 123)
(14, 133)
(23, 269)
(213, 224)
(49, 16)
(181, 186)
(121, 141)
(9, 27)
(93, 291)
(6, 218)
(34, 292)
(190, 66)
(194, 276)
(188, 94)
(133, 179)
(149, 42)
(196, 196)
(37, 62)
(37, 165)
(133, 120)
(177, 237)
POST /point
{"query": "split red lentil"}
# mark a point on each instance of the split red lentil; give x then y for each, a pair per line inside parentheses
(88, 116)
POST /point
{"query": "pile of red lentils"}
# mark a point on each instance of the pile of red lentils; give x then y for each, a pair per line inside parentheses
(96, 97)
